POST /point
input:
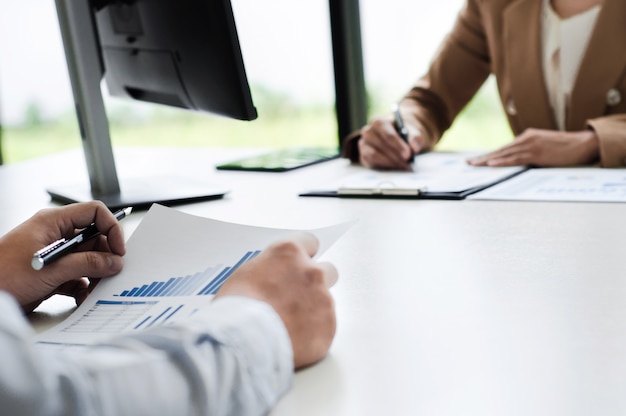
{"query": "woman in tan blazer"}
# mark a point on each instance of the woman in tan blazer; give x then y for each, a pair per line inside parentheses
(510, 39)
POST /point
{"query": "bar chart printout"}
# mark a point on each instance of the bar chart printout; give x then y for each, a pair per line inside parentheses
(195, 284)
(151, 291)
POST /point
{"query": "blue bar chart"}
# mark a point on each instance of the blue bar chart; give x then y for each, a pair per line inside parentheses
(158, 319)
(195, 284)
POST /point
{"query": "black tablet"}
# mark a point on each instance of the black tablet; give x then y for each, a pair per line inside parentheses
(283, 160)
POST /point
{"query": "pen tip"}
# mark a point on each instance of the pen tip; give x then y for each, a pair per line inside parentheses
(128, 210)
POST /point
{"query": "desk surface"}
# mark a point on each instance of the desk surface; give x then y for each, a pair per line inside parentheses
(444, 307)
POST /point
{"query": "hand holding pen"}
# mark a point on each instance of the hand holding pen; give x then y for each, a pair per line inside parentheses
(382, 143)
(55, 250)
(102, 256)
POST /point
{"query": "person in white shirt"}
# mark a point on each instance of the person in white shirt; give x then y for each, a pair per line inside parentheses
(235, 357)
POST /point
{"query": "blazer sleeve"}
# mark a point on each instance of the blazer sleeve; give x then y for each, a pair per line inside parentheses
(610, 131)
(457, 71)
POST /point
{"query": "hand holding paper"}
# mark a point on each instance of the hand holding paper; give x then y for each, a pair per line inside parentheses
(285, 276)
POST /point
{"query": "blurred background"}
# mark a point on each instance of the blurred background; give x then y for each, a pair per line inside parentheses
(286, 47)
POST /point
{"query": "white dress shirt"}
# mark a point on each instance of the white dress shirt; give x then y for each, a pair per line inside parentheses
(233, 358)
(564, 44)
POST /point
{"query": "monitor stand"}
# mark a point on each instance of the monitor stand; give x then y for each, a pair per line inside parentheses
(82, 51)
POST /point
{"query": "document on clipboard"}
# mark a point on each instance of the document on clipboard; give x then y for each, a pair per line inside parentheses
(435, 175)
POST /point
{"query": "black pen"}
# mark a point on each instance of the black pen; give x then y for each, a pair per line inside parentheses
(401, 128)
(53, 251)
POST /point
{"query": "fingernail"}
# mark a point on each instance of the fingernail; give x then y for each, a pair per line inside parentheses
(115, 263)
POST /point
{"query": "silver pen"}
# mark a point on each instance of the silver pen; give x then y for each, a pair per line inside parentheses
(53, 251)
(401, 129)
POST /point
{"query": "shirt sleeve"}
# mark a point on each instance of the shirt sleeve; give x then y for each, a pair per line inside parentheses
(457, 71)
(233, 358)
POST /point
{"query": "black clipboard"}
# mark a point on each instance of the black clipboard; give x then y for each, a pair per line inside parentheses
(390, 193)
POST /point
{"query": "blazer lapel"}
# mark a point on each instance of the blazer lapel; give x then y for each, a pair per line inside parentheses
(602, 66)
(522, 49)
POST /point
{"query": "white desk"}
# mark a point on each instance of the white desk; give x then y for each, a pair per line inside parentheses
(444, 307)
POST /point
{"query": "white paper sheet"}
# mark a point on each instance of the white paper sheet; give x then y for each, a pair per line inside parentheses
(174, 264)
(561, 184)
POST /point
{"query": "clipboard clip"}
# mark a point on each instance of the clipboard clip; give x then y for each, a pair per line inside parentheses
(382, 188)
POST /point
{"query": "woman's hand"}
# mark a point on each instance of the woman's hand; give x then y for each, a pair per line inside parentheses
(545, 148)
(381, 147)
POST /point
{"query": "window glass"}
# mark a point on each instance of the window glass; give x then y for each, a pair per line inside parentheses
(400, 38)
(287, 52)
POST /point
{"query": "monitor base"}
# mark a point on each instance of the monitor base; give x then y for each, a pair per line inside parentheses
(141, 194)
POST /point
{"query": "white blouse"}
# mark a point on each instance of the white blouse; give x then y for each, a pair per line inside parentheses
(564, 43)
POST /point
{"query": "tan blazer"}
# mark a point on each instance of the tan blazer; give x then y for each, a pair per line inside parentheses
(503, 37)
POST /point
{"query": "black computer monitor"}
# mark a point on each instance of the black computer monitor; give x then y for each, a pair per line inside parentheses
(181, 53)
